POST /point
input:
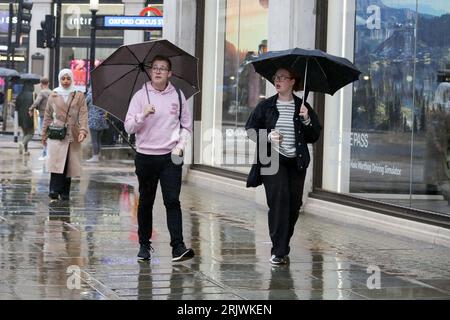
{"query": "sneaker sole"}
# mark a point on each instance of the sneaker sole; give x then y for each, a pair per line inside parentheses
(144, 258)
(185, 256)
(278, 263)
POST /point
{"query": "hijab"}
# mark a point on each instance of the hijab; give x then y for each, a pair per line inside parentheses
(61, 90)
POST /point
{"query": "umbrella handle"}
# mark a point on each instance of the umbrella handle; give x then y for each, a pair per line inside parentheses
(146, 91)
(304, 84)
(304, 79)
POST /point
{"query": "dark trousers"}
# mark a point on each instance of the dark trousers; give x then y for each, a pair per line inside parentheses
(284, 191)
(27, 136)
(96, 141)
(149, 170)
(60, 183)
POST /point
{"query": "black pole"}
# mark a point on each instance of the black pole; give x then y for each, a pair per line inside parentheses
(92, 49)
(57, 43)
(10, 26)
(13, 44)
(8, 65)
(86, 80)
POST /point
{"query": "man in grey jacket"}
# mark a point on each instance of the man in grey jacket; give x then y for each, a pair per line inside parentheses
(40, 103)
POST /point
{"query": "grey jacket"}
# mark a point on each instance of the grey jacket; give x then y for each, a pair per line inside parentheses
(41, 101)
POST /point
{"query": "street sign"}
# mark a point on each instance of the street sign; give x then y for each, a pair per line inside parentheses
(131, 22)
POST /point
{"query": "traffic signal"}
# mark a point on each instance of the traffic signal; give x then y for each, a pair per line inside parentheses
(46, 36)
(24, 17)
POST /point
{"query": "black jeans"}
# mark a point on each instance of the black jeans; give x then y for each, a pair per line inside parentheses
(96, 136)
(149, 170)
(59, 183)
(284, 191)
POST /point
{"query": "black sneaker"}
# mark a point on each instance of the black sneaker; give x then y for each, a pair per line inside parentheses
(65, 197)
(278, 260)
(53, 195)
(181, 254)
(144, 252)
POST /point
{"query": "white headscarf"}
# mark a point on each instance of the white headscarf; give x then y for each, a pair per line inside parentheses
(61, 90)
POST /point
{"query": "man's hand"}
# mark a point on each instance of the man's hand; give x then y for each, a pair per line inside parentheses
(30, 113)
(149, 109)
(81, 137)
(178, 152)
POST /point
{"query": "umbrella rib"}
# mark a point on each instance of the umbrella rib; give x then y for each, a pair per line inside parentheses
(132, 53)
(149, 51)
(123, 76)
(321, 68)
(131, 94)
(118, 64)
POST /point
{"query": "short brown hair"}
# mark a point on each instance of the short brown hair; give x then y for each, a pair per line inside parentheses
(162, 58)
(44, 81)
(298, 85)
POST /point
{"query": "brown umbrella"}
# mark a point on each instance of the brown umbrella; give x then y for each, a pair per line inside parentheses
(116, 79)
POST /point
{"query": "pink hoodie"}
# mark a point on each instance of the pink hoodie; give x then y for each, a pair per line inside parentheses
(160, 132)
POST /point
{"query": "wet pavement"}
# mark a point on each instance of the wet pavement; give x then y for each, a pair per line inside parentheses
(86, 248)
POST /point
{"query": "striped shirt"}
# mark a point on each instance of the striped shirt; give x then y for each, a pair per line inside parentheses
(285, 125)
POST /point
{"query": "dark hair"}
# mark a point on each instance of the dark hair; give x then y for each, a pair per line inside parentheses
(162, 58)
(44, 81)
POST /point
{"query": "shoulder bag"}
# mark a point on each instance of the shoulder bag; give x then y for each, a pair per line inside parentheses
(59, 132)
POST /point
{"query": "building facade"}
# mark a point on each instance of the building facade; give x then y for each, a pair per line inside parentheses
(386, 139)
(75, 35)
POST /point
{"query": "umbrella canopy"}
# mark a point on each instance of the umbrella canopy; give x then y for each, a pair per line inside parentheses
(6, 72)
(323, 72)
(118, 77)
(30, 76)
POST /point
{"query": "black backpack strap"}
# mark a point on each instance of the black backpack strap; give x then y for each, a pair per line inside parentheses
(181, 104)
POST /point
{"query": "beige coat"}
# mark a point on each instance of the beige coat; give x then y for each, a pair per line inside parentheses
(59, 150)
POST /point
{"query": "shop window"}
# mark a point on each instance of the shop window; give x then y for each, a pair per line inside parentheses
(400, 123)
(242, 35)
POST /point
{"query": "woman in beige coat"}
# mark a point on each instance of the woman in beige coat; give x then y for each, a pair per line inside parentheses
(64, 155)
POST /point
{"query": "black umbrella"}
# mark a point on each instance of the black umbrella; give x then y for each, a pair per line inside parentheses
(116, 79)
(30, 76)
(6, 72)
(322, 72)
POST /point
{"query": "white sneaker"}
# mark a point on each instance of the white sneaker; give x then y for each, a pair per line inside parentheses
(93, 159)
(42, 158)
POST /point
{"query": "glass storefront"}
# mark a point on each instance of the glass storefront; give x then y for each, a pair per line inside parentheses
(75, 29)
(20, 51)
(240, 31)
(395, 146)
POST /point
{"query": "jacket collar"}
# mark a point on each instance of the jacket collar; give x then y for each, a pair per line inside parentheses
(150, 87)
(272, 101)
(69, 101)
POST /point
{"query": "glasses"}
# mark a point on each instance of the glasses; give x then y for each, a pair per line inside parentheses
(156, 69)
(280, 78)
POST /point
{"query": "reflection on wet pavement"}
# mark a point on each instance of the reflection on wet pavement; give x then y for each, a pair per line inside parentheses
(86, 248)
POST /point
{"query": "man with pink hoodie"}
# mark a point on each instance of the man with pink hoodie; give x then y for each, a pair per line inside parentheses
(162, 127)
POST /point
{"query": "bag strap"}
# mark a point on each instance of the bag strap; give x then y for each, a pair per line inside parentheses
(70, 104)
(181, 104)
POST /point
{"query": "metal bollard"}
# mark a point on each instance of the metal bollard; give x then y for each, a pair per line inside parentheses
(16, 126)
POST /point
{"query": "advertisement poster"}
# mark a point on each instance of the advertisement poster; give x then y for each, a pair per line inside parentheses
(401, 47)
(80, 72)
